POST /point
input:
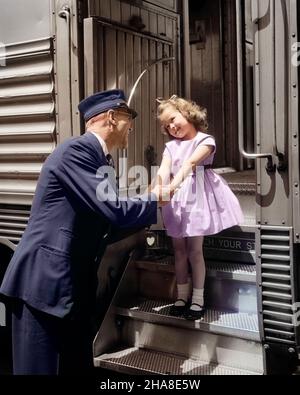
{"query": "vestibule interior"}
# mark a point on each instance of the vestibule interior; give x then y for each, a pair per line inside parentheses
(212, 47)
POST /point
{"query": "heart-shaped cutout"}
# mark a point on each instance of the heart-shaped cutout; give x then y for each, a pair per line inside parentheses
(150, 241)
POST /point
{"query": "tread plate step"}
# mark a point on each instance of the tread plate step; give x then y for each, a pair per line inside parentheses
(233, 271)
(242, 325)
(142, 361)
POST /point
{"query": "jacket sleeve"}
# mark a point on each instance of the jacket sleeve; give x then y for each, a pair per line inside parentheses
(93, 187)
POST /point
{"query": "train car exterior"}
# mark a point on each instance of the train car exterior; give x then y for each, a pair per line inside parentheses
(240, 60)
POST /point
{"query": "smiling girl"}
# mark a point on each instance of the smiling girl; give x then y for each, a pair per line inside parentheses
(203, 203)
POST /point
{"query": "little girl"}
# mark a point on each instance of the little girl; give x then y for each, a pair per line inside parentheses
(202, 204)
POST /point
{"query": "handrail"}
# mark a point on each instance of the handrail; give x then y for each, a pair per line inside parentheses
(7, 243)
(65, 13)
(270, 166)
(143, 72)
(259, 11)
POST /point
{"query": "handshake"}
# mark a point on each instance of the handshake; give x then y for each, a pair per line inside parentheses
(164, 193)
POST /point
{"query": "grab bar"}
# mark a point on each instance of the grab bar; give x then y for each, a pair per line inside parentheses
(270, 165)
(170, 59)
(65, 13)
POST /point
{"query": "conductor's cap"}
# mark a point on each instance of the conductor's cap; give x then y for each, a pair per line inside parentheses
(103, 101)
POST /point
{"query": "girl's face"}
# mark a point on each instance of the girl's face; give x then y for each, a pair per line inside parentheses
(176, 124)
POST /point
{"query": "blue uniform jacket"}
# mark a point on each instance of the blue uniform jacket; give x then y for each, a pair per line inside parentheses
(53, 268)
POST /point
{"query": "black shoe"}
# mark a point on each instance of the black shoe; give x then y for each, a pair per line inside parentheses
(194, 315)
(177, 311)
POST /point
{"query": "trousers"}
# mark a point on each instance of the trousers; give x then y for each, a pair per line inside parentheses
(43, 344)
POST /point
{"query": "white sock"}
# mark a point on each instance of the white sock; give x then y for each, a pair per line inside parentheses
(197, 298)
(183, 291)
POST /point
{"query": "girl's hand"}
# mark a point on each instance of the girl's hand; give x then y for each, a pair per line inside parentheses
(163, 193)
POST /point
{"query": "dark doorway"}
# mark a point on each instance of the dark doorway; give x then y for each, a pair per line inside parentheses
(206, 68)
(214, 73)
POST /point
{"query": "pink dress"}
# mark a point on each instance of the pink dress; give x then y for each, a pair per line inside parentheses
(204, 204)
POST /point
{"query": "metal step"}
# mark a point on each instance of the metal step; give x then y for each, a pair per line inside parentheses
(240, 325)
(221, 339)
(191, 343)
(135, 361)
(247, 228)
(232, 271)
(228, 286)
(245, 177)
(227, 270)
(224, 294)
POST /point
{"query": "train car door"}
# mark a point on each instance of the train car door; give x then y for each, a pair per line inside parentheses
(115, 56)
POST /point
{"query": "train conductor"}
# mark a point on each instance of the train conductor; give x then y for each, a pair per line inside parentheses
(51, 280)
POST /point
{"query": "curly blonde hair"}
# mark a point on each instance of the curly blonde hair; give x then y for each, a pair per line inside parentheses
(191, 111)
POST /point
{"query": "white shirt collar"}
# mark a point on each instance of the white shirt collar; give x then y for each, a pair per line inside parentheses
(102, 143)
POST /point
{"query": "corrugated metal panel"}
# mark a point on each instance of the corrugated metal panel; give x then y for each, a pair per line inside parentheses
(276, 275)
(27, 118)
(13, 222)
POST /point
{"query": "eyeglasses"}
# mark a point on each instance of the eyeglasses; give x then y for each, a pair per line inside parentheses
(125, 113)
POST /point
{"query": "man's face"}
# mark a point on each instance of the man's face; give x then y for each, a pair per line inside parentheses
(124, 125)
